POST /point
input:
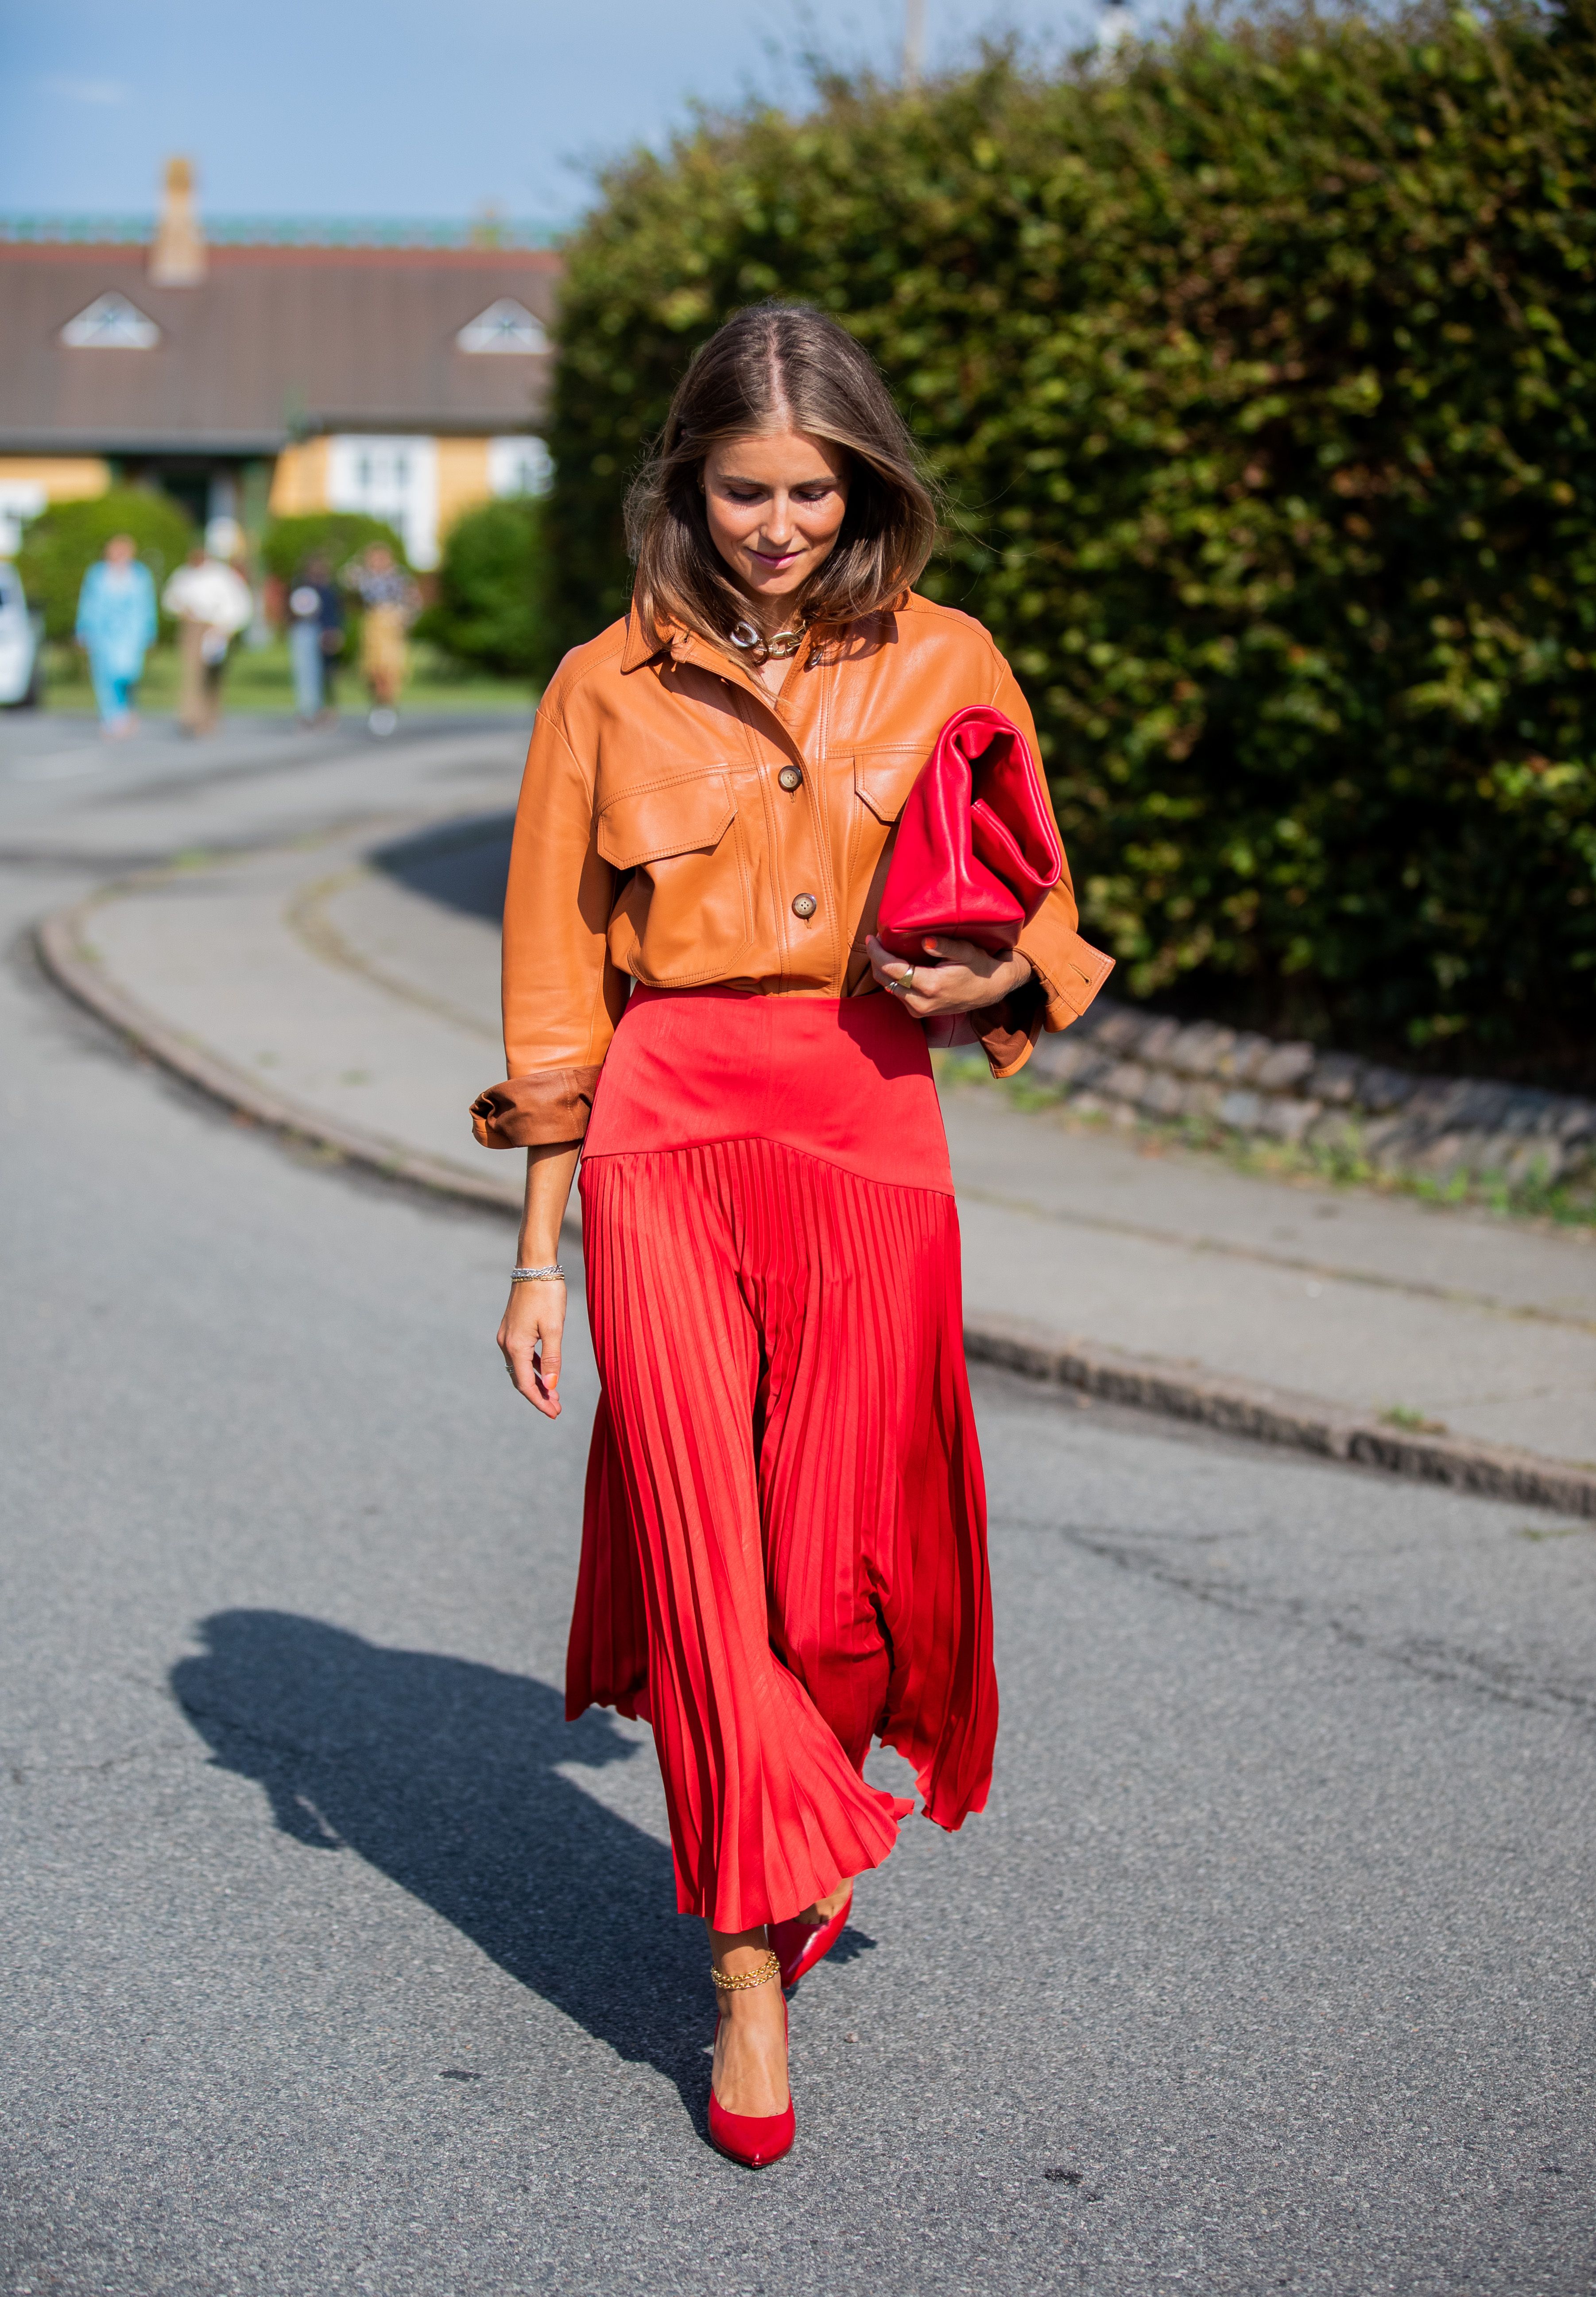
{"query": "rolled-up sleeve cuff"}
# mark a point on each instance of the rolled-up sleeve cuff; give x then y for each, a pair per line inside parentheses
(1067, 974)
(548, 1108)
(1009, 1030)
(1070, 970)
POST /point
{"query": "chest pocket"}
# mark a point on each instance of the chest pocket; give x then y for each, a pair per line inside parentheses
(684, 914)
(883, 779)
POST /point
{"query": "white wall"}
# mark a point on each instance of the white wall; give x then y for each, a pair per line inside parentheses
(390, 478)
(20, 500)
(518, 467)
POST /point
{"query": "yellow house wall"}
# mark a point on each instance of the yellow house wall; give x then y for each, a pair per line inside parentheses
(462, 478)
(300, 480)
(64, 478)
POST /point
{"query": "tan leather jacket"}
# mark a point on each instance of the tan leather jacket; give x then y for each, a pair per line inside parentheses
(678, 825)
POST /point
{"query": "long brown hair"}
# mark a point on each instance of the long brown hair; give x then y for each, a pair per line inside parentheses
(779, 367)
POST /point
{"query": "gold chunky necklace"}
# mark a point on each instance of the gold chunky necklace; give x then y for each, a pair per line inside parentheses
(759, 649)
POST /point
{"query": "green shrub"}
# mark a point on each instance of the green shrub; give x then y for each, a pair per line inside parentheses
(489, 608)
(62, 543)
(1261, 375)
(335, 535)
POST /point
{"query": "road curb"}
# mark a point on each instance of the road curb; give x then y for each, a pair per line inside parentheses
(68, 958)
(1266, 1415)
(1235, 1407)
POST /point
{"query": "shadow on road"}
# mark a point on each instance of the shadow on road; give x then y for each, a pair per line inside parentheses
(463, 867)
(440, 1773)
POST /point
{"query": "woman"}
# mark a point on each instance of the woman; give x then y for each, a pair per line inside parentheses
(210, 603)
(314, 639)
(389, 598)
(783, 1547)
(116, 629)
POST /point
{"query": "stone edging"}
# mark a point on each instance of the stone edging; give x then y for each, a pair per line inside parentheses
(1273, 1416)
(1117, 1062)
(1185, 1393)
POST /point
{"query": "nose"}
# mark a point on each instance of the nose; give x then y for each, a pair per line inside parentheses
(779, 521)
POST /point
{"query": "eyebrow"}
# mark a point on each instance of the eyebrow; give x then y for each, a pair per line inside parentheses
(741, 479)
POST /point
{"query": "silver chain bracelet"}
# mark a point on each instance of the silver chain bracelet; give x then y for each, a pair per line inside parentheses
(537, 1275)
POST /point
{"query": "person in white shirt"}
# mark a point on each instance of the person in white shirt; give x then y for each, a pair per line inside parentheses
(212, 603)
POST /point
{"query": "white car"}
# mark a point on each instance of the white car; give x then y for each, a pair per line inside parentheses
(22, 664)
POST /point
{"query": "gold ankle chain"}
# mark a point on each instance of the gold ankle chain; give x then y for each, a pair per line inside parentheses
(769, 1969)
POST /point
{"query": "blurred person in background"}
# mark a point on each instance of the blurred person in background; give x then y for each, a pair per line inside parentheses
(315, 639)
(391, 602)
(212, 603)
(116, 629)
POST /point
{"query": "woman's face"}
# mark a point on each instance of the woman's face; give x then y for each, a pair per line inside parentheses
(775, 502)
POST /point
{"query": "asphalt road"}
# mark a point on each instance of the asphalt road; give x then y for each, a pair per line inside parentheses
(334, 1960)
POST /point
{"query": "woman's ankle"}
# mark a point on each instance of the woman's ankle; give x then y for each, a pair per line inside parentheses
(744, 1971)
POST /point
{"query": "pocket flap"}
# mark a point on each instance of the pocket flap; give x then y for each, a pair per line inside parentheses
(884, 780)
(690, 816)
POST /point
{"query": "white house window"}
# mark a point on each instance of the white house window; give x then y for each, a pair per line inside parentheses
(506, 325)
(110, 323)
(20, 500)
(395, 479)
(518, 467)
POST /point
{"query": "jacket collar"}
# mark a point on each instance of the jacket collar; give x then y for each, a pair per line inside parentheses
(679, 645)
(642, 645)
(645, 646)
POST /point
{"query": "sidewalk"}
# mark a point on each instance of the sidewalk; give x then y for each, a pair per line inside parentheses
(347, 988)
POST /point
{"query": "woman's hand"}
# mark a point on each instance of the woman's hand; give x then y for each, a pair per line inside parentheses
(961, 979)
(533, 1326)
(534, 1322)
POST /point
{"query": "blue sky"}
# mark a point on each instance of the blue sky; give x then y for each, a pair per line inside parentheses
(410, 107)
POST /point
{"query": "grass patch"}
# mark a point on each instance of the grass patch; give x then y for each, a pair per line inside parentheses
(259, 682)
(1570, 1204)
(1412, 1423)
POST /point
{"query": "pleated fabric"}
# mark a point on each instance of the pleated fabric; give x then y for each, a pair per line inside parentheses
(783, 1549)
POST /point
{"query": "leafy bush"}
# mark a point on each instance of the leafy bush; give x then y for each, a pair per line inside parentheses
(62, 543)
(488, 606)
(1261, 375)
(335, 535)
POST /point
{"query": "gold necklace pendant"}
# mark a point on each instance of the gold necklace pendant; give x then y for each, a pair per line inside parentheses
(749, 641)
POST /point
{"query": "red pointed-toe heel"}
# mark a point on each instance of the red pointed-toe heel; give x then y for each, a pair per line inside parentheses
(755, 2140)
(798, 1947)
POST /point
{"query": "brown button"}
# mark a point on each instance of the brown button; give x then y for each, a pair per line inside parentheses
(805, 905)
(790, 778)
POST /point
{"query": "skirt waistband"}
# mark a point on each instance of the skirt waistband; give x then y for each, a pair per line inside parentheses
(844, 1079)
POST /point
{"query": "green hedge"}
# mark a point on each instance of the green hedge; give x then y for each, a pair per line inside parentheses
(1261, 378)
(335, 535)
(488, 610)
(61, 544)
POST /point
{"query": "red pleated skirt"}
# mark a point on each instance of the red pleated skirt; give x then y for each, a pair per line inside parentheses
(784, 1543)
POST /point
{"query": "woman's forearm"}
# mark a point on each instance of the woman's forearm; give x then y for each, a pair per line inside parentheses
(549, 1172)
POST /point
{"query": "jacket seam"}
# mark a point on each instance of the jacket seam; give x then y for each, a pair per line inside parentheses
(589, 781)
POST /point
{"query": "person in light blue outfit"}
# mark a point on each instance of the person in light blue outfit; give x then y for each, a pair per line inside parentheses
(116, 628)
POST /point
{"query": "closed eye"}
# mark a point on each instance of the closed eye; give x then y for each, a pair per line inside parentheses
(743, 492)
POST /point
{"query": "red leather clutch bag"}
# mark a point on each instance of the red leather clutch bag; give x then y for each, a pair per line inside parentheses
(977, 852)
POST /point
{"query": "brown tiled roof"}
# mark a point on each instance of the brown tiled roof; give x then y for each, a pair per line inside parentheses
(275, 342)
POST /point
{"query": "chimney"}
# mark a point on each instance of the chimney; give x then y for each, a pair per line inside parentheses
(178, 259)
(1117, 30)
